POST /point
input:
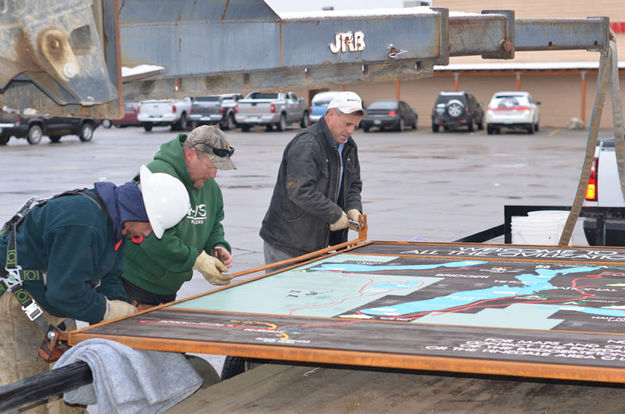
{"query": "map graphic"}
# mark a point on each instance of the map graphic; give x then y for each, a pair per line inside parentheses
(491, 309)
(437, 291)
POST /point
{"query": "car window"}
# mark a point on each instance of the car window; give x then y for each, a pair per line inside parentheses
(207, 98)
(446, 98)
(260, 95)
(509, 102)
(522, 99)
(383, 105)
(472, 101)
(323, 98)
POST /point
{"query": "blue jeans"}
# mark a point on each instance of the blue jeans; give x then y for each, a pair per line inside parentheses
(138, 296)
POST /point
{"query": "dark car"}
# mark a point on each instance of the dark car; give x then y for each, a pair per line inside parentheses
(131, 109)
(33, 129)
(215, 109)
(389, 113)
(457, 109)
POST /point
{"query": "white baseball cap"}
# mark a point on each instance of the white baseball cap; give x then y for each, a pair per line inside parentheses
(346, 102)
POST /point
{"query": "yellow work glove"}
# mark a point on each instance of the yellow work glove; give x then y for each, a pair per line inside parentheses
(341, 223)
(353, 215)
(212, 268)
(118, 308)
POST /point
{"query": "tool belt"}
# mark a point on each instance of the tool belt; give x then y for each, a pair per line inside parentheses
(12, 279)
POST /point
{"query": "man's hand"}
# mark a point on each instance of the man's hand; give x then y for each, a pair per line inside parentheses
(224, 255)
(118, 308)
(341, 223)
(353, 215)
(212, 268)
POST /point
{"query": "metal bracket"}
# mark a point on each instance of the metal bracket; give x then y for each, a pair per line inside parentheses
(53, 54)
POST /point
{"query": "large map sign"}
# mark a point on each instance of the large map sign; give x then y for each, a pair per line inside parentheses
(552, 312)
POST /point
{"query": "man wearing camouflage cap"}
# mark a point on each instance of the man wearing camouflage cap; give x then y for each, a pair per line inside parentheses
(155, 269)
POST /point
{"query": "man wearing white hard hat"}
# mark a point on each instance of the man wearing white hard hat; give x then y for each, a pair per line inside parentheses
(62, 258)
(318, 187)
(155, 270)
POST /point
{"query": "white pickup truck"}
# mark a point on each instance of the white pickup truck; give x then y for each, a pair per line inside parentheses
(171, 112)
(604, 190)
(269, 109)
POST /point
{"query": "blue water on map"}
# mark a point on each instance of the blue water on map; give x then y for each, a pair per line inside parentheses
(532, 284)
(353, 267)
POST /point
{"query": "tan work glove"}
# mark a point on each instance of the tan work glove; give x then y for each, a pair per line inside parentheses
(118, 308)
(212, 268)
(353, 214)
(341, 223)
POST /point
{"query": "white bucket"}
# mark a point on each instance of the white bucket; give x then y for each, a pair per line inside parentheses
(538, 227)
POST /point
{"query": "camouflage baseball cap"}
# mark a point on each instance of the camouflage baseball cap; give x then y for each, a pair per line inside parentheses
(212, 141)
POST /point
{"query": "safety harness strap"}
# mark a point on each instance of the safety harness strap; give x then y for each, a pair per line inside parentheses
(12, 275)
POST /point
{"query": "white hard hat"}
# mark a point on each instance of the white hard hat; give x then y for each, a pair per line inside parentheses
(166, 200)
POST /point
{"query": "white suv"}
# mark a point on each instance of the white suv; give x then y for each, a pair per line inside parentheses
(514, 109)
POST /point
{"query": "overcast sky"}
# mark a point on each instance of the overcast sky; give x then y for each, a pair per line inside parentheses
(306, 5)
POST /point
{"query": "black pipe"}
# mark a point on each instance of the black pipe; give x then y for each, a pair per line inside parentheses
(43, 386)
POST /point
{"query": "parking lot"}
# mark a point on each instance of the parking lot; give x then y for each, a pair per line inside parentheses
(437, 187)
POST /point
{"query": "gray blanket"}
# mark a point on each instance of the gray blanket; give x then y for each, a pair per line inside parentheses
(130, 381)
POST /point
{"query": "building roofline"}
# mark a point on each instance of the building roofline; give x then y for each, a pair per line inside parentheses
(514, 66)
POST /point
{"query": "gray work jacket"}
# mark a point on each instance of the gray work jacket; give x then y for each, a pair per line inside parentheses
(305, 200)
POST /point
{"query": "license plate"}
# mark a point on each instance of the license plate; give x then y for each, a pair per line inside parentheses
(377, 122)
(254, 119)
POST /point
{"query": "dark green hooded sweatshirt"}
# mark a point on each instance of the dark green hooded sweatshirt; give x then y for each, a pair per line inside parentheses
(162, 266)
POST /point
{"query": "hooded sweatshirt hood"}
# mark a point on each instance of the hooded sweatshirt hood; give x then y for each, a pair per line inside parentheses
(123, 203)
(171, 154)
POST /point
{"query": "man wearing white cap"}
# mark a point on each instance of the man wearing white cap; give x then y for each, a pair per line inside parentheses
(155, 269)
(318, 187)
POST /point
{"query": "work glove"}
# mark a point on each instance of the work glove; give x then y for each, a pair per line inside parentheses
(118, 308)
(353, 215)
(341, 223)
(212, 268)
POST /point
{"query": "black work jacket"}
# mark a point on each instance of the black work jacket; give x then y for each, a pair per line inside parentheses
(305, 200)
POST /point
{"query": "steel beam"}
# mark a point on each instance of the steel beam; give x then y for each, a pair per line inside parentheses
(562, 34)
(217, 46)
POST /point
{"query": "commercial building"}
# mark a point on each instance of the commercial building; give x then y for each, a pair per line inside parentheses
(564, 81)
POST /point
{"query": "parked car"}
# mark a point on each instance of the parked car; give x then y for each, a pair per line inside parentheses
(389, 113)
(604, 190)
(131, 110)
(456, 109)
(33, 129)
(7, 124)
(269, 109)
(319, 104)
(515, 109)
(215, 109)
(172, 112)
